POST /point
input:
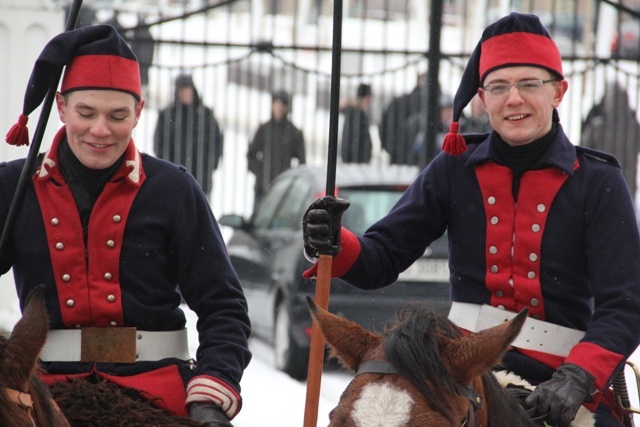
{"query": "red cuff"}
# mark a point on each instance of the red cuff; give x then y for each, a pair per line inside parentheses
(596, 360)
(349, 252)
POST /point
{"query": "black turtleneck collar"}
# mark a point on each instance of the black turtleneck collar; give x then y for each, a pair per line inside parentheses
(522, 158)
(86, 183)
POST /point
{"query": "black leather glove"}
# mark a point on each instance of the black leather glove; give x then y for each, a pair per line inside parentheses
(209, 414)
(321, 226)
(559, 398)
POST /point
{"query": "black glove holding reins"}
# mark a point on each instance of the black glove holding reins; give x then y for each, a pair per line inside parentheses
(557, 400)
(321, 225)
(209, 414)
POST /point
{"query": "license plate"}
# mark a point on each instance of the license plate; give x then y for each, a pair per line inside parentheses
(426, 270)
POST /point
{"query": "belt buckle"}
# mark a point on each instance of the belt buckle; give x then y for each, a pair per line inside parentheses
(108, 345)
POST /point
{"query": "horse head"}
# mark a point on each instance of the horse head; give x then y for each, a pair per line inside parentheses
(422, 370)
(24, 399)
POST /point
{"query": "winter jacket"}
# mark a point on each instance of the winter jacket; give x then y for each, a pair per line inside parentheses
(356, 140)
(274, 145)
(189, 135)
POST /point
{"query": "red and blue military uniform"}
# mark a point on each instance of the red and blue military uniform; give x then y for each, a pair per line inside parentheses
(151, 239)
(568, 249)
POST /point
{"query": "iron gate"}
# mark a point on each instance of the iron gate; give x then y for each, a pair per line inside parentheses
(239, 51)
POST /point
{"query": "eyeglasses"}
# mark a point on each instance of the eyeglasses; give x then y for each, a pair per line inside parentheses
(525, 86)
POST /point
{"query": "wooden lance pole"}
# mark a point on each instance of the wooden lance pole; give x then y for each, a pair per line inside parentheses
(323, 276)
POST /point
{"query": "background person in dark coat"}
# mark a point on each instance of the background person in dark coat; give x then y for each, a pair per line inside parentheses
(356, 139)
(188, 134)
(393, 124)
(275, 144)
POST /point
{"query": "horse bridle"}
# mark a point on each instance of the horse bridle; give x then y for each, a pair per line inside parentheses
(23, 400)
(473, 398)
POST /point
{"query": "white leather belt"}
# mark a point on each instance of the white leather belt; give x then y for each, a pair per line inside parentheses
(535, 334)
(72, 345)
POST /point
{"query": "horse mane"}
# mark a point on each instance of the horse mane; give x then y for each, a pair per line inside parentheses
(93, 401)
(412, 347)
(506, 410)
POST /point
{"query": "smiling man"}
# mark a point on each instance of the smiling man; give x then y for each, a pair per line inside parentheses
(119, 238)
(533, 222)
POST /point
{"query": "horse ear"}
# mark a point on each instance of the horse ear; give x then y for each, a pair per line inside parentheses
(473, 354)
(28, 335)
(347, 340)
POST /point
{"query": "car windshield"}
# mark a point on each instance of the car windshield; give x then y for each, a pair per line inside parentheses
(368, 204)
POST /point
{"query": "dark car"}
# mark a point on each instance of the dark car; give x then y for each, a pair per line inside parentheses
(267, 253)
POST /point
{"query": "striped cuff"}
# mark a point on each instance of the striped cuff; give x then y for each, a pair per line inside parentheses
(204, 388)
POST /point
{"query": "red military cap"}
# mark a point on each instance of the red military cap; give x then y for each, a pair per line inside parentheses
(94, 57)
(515, 40)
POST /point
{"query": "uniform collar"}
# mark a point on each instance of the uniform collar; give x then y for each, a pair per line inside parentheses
(560, 154)
(131, 169)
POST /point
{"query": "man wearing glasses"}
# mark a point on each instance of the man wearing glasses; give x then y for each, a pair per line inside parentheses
(533, 222)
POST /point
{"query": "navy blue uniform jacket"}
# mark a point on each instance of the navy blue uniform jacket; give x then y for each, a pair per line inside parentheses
(151, 230)
(572, 233)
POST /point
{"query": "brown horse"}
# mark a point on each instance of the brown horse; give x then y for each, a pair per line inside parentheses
(26, 401)
(422, 371)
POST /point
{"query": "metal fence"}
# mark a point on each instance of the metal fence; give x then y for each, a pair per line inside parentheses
(239, 51)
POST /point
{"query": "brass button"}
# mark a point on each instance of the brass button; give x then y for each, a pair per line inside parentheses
(117, 218)
(111, 243)
(70, 302)
(55, 221)
(66, 277)
(59, 246)
(111, 298)
(108, 276)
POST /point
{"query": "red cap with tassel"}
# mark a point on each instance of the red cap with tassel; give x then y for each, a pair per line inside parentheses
(95, 57)
(516, 40)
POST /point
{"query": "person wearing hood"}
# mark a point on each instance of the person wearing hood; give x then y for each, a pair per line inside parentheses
(275, 145)
(187, 133)
(356, 139)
